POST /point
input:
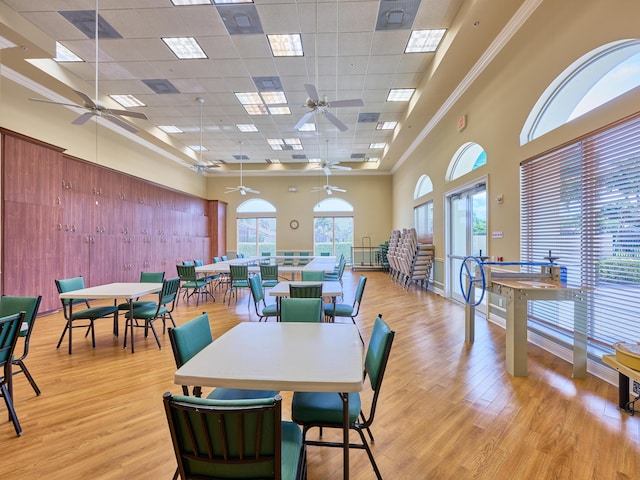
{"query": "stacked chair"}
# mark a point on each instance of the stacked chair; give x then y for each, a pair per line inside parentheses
(410, 262)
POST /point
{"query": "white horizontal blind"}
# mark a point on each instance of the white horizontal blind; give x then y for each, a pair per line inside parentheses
(582, 202)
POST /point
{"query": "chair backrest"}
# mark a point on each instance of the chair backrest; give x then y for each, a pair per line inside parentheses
(10, 305)
(189, 338)
(69, 285)
(312, 276)
(313, 290)
(362, 282)
(304, 258)
(151, 277)
(198, 263)
(187, 273)
(188, 263)
(225, 258)
(217, 259)
(226, 438)
(375, 362)
(288, 258)
(239, 272)
(269, 272)
(169, 291)
(255, 284)
(325, 254)
(9, 331)
(301, 309)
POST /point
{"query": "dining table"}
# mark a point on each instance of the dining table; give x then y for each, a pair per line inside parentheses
(303, 357)
(128, 291)
(321, 263)
(329, 289)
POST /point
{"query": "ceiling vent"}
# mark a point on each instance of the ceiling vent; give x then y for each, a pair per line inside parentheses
(85, 21)
(396, 14)
(240, 19)
(160, 85)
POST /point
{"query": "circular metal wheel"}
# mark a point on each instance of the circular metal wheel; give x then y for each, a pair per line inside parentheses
(466, 270)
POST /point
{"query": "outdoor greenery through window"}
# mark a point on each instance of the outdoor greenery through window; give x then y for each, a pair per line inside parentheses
(582, 203)
(256, 233)
(333, 235)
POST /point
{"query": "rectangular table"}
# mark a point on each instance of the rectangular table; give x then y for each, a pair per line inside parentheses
(324, 264)
(329, 289)
(304, 357)
(117, 291)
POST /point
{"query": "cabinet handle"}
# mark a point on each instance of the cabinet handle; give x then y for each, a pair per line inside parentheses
(73, 228)
(59, 227)
(58, 200)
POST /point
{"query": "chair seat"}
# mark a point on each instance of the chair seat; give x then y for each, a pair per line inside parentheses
(342, 309)
(291, 447)
(270, 310)
(240, 284)
(148, 312)
(194, 284)
(240, 394)
(94, 313)
(323, 407)
(269, 283)
(136, 304)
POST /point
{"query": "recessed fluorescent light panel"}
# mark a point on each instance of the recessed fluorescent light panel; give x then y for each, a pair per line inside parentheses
(424, 40)
(184, 47)
(63, 54)
(377, 145)
(247, 127)
(222, 2)
(170, 129)
(198, 148)
(400, 94)
(127, 101)
(386, 125)
(256, 109)
(279, 110)
(249, 98)
(285, 143)
(273, 161)
(177, 3)
(273, 98)
(286, 45)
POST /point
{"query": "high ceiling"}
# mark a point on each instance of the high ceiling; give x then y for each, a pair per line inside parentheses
(352, 50)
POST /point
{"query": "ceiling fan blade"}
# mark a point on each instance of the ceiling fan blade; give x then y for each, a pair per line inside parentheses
(89, 103)
(327, 170)
(121, 123)
(346, 103)
(336, 189)
(84, 118)
(43, 100)
(251, 190)
(340, 167)
(312, 92)
(303, 120)
(127, 113)
(333, 119)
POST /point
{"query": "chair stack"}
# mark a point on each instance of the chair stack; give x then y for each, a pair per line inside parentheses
(410, 262)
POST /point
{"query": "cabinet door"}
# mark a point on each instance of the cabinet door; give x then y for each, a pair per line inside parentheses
(33, 241)
(79, 176)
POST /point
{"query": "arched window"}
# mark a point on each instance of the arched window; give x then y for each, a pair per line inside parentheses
(423, 187)
(332, 229)
(468, 157)
(594, 79)
(255, 231)
(333, 204)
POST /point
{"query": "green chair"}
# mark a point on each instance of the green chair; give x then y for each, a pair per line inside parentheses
(288, 259)
(10, 305)
(312, 276)
(191, 337)
(238, 278)
(324, 409)
(216, 439)
(145, 277)
(191, 284)
(325, 254)
(269, 274)
(91, 314)
(149, 313)
(9, 332)
(266, 261)
(303, 258)
(301, 310)
(212, 279)
(262, 309)
(313, 290)
(346, 309)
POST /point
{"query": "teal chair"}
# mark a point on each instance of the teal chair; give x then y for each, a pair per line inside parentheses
(216, 439)
(288, 259)
(238, 278)
(10, 305)
(91, 314)
(269, 274)
(191, 284)
(313, 290)
(212, 279)
(145, 277)
(312, 276)
(149, 313)
(301, 310)
(303, 258)
(346, 309)
(263, 310)
(191, 337)
(9, 331)
(324, 409)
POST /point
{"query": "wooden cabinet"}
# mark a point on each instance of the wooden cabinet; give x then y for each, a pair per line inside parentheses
(64, 217)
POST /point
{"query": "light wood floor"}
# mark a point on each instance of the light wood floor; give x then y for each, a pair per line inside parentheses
(447, 410)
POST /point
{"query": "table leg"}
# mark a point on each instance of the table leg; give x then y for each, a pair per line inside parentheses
(580, 335)
(470, 317)
(130, 323)
(516, 348)
(70, 322)
(345, 434)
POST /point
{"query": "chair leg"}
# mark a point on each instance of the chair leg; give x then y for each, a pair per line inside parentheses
(365, 444)
(12, 413)
(149, 323)
(66, 327)
(24, 370)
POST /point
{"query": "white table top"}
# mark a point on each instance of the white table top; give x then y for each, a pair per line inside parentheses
(115, 290)
(329, 289)
(306, 357)
(325, 264)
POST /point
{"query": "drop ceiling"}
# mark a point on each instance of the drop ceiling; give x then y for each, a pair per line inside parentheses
(352, 49)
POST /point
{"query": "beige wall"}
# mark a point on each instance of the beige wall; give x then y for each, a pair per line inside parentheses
(497, 104)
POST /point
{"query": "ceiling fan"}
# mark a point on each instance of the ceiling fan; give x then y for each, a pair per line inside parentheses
(202, 166)
(241, 188)
(316, 105)
(94, 108)
(328, 165)
(328, 188)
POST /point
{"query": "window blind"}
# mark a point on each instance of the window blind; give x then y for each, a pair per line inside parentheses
(582, 203)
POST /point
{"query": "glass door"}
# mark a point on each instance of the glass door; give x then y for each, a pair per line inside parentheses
(467, 233)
